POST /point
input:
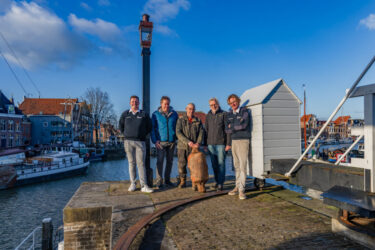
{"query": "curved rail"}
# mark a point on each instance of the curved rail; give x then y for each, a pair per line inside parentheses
(127, 238)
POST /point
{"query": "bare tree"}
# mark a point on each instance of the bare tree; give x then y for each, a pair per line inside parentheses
(101, 108)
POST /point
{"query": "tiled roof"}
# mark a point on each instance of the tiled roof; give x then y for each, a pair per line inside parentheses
(342, 120)
(306, 118)
(46, 106)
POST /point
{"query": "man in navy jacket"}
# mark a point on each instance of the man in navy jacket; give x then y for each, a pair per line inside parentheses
(239, 128)
(135, 124)
(163, 135)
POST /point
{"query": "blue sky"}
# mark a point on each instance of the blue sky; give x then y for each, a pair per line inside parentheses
(200, 49)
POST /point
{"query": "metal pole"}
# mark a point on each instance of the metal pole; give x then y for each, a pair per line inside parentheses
(146, 52)
(332, 115)
(47, 229)
(304, 114)
(349, 149)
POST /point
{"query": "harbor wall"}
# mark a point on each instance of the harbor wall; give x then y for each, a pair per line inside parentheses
(322, 176)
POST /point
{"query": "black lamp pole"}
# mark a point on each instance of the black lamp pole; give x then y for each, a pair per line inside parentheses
(145, 28)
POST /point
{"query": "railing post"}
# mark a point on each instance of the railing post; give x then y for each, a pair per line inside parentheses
(47, 229)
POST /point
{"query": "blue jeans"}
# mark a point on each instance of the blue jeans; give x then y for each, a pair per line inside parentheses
(217, 154)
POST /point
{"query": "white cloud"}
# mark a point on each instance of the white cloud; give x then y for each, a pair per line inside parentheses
(104, 3)
(369, 22)
(40, 38)
(108, 32)
(163, 10)
(86, 6)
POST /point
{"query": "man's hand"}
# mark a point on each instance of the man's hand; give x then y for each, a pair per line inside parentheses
(157, 144)
(191, 144)
(227, 148)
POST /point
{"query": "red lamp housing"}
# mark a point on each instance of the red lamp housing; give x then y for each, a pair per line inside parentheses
(145, 31)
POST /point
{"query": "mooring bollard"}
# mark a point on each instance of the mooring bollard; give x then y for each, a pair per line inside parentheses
(47, 231)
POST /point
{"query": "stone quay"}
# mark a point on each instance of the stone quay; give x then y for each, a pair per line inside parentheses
(99, 213)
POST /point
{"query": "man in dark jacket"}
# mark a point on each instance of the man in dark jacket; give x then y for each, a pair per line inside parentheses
(163, 135)
(217, 139)
(238, 127)
(190, 135)
(135, 124)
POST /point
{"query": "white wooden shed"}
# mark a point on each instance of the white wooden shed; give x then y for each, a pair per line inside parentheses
(276, 133)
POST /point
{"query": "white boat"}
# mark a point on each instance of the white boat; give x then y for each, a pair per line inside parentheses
(12, 156)
(50, 166)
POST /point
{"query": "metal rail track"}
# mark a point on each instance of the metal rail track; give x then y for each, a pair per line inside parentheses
(127, 238)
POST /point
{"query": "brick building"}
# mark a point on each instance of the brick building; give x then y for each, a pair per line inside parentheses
(14, 127)
(310, 122)
(107, 134)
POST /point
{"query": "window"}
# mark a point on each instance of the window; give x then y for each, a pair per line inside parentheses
(45, 124)
(18, 126)
(10, 125)
(2, 125)
(10, 142)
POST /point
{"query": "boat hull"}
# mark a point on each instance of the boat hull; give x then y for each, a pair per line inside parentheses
(53, 174)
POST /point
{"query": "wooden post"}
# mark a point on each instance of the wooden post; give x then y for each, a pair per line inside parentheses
(47, 231)
(369, 132)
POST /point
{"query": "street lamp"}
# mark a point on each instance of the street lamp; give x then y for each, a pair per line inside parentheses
(145, 32)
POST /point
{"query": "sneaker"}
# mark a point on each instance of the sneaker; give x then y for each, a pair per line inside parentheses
(233, 192)
(146, 189)
(219, 188)
(242, 195)
(132, 187)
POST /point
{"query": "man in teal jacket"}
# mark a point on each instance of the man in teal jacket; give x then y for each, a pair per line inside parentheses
(163, 135)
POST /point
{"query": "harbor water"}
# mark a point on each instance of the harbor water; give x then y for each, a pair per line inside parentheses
(23, 208)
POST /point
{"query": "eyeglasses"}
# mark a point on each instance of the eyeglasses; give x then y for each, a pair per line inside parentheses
(212, 105)
(231, 103)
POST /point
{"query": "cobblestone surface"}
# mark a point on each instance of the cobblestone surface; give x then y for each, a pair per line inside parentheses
(272, 219)
(262, 221)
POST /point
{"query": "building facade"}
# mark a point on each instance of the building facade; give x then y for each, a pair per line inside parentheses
(13, 125)
(311, 124)
(58, 120)
(49, 129)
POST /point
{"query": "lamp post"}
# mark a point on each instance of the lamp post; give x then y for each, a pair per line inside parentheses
(145, 32)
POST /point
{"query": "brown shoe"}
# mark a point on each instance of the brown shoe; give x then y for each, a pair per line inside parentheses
(233, 192)
(182, 182)
(242, 195)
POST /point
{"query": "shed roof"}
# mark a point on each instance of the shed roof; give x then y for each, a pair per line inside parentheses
(262, 93)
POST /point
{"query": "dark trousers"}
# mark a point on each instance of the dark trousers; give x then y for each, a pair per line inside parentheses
(182, 161)
(217, 154)
(166, 152)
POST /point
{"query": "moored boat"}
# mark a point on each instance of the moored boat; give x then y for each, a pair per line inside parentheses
(50, 166)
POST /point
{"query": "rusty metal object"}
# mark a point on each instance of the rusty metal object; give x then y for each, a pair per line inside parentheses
(345, 215)
(126, 239)
(198, 170)
(357, 223)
